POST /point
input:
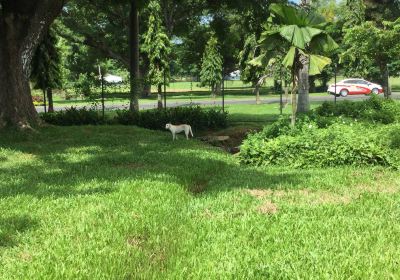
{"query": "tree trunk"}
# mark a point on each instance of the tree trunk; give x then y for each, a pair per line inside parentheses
(385, 82)
(312, 84)
(257, 88)
(50, 100)
(134, 56)
(22, 24)
(303, 85)
(159, 97)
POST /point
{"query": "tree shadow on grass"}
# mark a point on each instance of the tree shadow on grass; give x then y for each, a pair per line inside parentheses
(110, 155)
(12, 227)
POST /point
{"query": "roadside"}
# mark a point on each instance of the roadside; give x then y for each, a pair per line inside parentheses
(151, 104)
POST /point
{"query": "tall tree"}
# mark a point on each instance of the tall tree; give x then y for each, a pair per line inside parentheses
(158, 49)
(22, 25)
(371, 56)
(211, 68)
(46, 67)
(297, 34)
(135, 81)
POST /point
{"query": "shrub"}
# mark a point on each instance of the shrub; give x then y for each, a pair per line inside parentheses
(375, 109)
(394, 138)
(336, 145)
(152, 119)
(156, 119)
(73, 116)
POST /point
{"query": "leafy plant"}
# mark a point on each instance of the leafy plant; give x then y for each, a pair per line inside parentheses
(336, 145)
(197, 117)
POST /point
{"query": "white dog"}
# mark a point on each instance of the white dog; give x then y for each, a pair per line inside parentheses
(178, 129)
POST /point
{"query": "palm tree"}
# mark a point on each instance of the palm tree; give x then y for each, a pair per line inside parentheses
(300, 36)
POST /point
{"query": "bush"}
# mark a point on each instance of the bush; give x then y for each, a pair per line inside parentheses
(156, 119)
(375, 109)
(73, 116)
(336, 145)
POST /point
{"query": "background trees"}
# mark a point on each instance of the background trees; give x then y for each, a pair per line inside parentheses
(158, 49)
(46, 67)
(211, 68)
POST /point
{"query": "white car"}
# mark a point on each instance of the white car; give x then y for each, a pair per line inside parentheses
(354, 87)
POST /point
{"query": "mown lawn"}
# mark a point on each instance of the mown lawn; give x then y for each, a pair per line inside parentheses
(127, 203)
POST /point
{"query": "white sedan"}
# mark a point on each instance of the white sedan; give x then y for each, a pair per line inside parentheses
(354, 87)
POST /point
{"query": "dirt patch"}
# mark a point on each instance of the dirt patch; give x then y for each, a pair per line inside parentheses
(302, 196)
(198, 186)
(235, 135)
(384, 189)
(259, 193)
(25, 256)
(136, 241)
(268, 208)
(329, 198)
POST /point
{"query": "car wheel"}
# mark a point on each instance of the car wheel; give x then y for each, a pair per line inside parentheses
(375, 91)
(344, 92)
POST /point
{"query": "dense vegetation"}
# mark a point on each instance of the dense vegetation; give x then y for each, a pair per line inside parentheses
(348, 133)
(156, 119)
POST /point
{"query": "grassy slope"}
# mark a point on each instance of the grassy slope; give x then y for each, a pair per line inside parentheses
(126, 203)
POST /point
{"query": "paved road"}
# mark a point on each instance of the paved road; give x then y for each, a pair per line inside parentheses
(266, 100)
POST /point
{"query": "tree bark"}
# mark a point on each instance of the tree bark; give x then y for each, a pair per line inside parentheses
(385, 81)
(50, 100)
(160, 97)
(22, 24)
(257, 88)
(303, 85)
(134, 56)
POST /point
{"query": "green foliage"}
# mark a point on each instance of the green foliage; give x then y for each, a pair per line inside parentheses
(73, 116)
(156, 45)
(250, 73)
(394, 138)
(360, 56)
(373, 110)
(46, 63)
(84, 84)
(336, 145)
(211, 68)
(198, 118)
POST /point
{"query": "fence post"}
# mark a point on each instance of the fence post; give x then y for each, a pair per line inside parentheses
(335, 83)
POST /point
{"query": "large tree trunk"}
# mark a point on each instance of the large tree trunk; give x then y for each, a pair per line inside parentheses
(134, 56)
(303, 85)
(22, 24)
(50, 100)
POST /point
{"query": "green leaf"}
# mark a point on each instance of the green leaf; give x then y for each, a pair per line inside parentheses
(318, 63)
(323, 43)
(288, 61)
(299, 36)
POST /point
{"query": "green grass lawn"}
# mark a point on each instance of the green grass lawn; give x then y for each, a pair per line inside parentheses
(126, 203)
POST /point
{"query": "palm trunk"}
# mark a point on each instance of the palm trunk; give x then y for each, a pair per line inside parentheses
(303, 85)
(134, 56)
(50, 100)
(159, 97)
